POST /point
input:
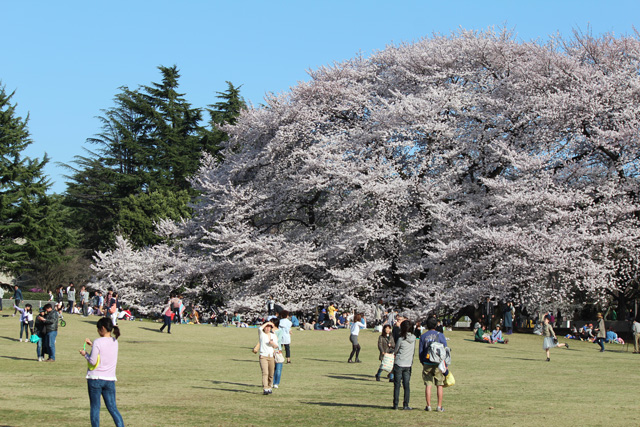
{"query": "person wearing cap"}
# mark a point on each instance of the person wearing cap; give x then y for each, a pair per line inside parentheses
(601, 332)
(268, 344)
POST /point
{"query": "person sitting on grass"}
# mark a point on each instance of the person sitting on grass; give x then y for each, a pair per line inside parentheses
(479, 335)
(496, 336)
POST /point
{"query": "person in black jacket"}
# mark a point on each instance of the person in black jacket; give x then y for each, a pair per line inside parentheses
(51, 330)
(40, 330)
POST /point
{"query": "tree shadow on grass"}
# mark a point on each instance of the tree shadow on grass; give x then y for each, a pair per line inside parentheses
(345, 377)
(231, 383)
(524, 358)
(152, 329)
(225, 389)
(321, 360)
(350, 405)
(17, 358)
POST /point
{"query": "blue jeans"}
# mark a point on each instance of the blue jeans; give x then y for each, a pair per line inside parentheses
(108, 391)
(51, 344)
(402, 377)
(380, 371)
(39, 351)
(277, 373)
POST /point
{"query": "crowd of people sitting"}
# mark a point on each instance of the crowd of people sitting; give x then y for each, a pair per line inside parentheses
(587, 332)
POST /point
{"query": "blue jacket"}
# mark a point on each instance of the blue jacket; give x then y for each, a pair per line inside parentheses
(18, 294)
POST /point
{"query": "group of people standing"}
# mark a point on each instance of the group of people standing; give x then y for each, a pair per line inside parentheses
(400, 340)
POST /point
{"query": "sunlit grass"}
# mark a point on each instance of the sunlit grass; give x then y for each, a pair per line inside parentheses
(202, 375)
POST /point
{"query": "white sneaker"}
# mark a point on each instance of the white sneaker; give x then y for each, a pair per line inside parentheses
(20, 339)
(275, 386)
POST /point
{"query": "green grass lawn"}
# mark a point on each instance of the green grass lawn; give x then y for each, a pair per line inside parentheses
(202, 375)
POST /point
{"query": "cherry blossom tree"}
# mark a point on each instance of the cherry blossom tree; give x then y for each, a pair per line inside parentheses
(431, 175)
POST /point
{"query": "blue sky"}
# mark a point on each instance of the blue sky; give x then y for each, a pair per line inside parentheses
(66, 60)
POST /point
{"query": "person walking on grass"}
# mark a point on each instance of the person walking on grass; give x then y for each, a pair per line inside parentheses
(285, 326)
(101, 372)
(601, 332)
(431, 373)
(550, 339)
(359, 322)
(17, 296)
(277, 371)
(404, 351)
(386, 344)
(167, 311)
(268, 345)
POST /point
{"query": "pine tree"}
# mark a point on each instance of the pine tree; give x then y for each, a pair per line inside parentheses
(30, 230)
(224, 112)
(150, 144)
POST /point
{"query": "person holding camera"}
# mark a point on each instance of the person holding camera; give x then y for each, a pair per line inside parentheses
(101, 373)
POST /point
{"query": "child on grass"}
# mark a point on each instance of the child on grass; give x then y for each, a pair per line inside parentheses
(26, 321)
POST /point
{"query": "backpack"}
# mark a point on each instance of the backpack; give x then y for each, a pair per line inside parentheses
(436, 352)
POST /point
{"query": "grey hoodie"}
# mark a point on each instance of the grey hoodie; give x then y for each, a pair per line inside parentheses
(405, 350)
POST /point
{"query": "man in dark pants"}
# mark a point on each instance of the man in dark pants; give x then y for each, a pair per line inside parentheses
(488, 313)
(17, 296)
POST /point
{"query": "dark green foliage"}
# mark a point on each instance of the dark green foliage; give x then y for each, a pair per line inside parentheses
(222, 113)
(150, 145)
(139, 212)
(31, 227)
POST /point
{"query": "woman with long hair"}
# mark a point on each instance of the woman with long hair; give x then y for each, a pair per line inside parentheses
(386, 344)
(405, 350)
(101, 372)
(359, 322)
